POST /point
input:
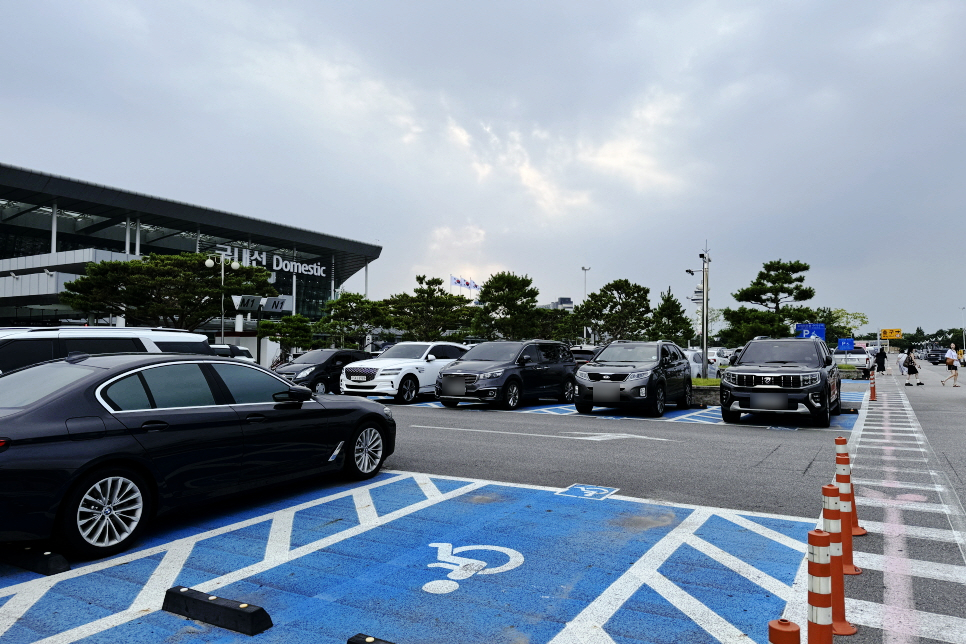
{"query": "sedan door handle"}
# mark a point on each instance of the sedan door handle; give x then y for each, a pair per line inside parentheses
(255, 418)
(154, 425)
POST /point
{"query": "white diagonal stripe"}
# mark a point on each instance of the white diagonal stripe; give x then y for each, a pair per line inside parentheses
(917, 567)
(743, 568)
(280, 536)
(365, 508)
(20, 603)
(163, 577)
(427, 486)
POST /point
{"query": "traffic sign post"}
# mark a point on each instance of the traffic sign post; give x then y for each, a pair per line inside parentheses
(810, 331)
(846, 344)
(891, 334)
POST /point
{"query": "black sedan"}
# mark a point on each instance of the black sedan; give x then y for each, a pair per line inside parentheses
(320, 370)
(91, 447)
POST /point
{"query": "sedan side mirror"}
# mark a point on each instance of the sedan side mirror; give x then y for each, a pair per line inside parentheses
(733, 359)
(524, 359)
(430, 358)
(294, 394)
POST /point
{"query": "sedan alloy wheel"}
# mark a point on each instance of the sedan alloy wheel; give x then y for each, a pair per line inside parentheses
(367, 453)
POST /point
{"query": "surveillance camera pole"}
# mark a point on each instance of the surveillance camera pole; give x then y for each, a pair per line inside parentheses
(210, 263)
(705, 260)
(585, 269)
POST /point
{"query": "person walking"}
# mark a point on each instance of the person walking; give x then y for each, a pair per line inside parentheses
(880, 360)
(952, 364)
(912, 369)
(901, 363)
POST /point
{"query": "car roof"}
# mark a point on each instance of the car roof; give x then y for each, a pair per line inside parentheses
(172, 335)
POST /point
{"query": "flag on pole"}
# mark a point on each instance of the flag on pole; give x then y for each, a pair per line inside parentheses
(454, 281)
(473, 286)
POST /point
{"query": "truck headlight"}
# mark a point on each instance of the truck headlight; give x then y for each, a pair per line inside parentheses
(809, 379)
(731, 377)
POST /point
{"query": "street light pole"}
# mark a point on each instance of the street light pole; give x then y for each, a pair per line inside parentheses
(705, 259)
(962, 310)
(585, 269)
(210, 263)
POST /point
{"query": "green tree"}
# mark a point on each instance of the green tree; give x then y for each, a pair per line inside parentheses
(507, 305)
(779, 283)
(176, 291)
(290, 332)
(351, 317)
(429, 312)
(621, 310)
(670, 322)
(556, 324)
(745, 324)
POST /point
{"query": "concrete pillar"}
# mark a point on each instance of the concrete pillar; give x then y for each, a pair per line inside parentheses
(239, 323)
(367, 279)
(332, 281)
(127, 238)
(137, 237)
(294, 308)
(198, 241)
(53, 228)
(119, 321)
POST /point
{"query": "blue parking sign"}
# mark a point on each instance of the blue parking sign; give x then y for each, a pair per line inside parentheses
(846, 344)
(810, 330)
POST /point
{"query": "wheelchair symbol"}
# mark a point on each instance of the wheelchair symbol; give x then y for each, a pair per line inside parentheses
(463, 567)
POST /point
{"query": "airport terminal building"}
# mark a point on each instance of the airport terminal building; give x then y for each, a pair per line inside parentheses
(51, 227)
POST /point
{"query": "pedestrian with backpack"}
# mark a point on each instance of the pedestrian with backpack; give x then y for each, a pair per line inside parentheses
(912, 369)
(952, 364)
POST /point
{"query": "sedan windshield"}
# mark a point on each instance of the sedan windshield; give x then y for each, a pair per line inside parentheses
(405, 351)
(628, 353)
(493, 351)
(22, 388)
(314, 357)
(787, 352)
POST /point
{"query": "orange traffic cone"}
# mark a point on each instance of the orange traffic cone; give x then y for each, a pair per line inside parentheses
(833, 525)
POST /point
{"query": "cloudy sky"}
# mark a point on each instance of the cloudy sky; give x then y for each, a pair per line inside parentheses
(535, 137)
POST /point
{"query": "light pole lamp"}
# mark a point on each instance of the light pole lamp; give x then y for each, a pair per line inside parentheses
(585, 269)
(210, 263)
(962, 310)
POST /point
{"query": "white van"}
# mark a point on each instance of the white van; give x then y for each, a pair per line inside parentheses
(24, 346)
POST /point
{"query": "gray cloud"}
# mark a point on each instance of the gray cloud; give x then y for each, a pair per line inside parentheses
(533, 137)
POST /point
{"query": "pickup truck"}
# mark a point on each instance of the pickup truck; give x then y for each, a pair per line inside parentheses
(856, 357)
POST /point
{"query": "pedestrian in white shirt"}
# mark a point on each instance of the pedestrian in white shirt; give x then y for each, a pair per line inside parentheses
(952, 364)
(900, 362)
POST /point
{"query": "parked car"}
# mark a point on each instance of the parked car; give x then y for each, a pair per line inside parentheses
(506, 373)
(404, 371)
(232, 351)
(92, 447)
(694, 358)
(584, 353)
(24, 346)
(936, 355)
(789, 376)
(321, 369)
(635, 374)
(857, 357)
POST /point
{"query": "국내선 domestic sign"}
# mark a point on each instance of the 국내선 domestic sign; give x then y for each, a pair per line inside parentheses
(278, 263)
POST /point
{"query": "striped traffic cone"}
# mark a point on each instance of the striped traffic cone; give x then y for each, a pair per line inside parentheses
(843, 474)
(819, 588)
(782, 631)
(847, 509)
(833, 525)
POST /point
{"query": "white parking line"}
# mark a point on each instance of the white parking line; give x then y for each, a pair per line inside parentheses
(592, 436)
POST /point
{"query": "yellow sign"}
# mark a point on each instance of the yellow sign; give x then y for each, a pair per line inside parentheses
(891, 334)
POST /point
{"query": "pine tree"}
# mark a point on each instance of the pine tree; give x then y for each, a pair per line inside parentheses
(670, 322)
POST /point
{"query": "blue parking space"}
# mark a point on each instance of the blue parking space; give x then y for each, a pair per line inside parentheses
(708, 416)
(420, 558)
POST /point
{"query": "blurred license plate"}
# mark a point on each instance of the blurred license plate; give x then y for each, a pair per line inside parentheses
(607, 391)
(769, 401)
(454, 387)
(358, 378)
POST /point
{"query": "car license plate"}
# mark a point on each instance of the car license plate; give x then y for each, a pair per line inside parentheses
(358, 378)
(769, 401)
(605, 392)
(454, 386)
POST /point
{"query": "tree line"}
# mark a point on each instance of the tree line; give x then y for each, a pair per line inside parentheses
(178, 291)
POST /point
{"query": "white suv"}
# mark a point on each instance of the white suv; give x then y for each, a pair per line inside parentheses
(403, 371)
(24, 346)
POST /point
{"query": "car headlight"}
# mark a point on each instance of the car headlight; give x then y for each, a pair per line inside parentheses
(387, 412)
(304, 372)
(390, 372)
(639, 375)
(489, 375)
(731, 377)
(811, 379)
(582, 375)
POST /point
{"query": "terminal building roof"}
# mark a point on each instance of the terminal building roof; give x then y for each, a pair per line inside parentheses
(97, 212)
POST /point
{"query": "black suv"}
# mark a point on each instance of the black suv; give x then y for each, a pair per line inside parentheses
(790, 376)
(320, 370)
(635, 374)
(505, 373)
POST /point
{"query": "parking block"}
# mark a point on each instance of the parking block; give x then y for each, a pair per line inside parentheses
(217, 611)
